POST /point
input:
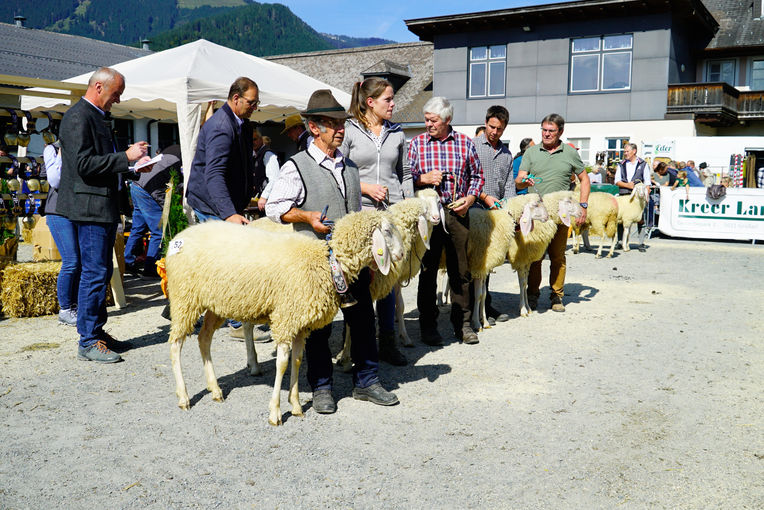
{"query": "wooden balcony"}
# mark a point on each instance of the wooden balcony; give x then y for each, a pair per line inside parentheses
(715, 104)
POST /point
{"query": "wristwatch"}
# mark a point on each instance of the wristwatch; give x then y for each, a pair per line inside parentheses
(584, 204)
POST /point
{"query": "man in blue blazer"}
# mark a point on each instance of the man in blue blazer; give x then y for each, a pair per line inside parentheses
(221, 180)
(88, 196)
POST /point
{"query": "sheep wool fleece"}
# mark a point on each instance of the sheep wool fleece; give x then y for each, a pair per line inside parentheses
(321, 190)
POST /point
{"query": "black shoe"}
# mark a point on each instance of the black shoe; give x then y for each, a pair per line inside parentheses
(431, 337)
(467, 335)
(114, 344)
(323, 402)
(375, 394)
(98, 352)
(497, 316)
(388, 351)
(133, 269)
(533, 301)
(641, 248)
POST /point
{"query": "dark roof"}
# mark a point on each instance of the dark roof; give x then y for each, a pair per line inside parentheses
(739, 27)
(41, 54)
(342, 68)
(583, 10)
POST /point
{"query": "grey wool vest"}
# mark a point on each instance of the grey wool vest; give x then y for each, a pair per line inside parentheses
(638, 173)
(321, 190)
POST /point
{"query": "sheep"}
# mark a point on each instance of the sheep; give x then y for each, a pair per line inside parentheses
(489, 236)
(414, 218)
(268, 224)
(630, 209)
(288, 284)
(563, 207)
(601, 219)
(530, 243)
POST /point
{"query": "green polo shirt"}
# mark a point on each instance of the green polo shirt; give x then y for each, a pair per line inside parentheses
(554, 168)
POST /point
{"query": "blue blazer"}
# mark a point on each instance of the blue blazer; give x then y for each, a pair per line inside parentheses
(221, 181)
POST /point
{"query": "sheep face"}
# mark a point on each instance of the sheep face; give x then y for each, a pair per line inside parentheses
(432, 200)
(386, 246)
(640, 192)
(567, 209)
(532, 211)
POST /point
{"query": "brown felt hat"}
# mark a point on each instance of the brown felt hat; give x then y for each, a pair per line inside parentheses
(290, 122)
(322, 103)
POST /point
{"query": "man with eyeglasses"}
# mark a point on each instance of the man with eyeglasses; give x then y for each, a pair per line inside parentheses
(546, 168)
(221, 180)
(312, 179)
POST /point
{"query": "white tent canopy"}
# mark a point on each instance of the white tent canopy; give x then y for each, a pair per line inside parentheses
(175, 83)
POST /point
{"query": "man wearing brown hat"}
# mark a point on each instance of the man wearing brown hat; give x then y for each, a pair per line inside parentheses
(331, 179)
(295, 130)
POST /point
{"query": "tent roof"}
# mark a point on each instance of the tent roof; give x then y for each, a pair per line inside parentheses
(198, 72)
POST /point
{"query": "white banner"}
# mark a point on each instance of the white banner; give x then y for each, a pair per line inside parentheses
(739, 215)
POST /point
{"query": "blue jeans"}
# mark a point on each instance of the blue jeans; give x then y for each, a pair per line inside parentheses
(96, 242)
(363, 346)
(65, 236)
(386, 313)
(146, 217)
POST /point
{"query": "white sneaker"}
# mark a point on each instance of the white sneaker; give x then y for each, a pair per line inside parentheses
(68, 317)
(260, 333)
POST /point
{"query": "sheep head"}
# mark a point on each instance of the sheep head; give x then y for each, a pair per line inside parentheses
(534, 210)
(640, 192)
(386, 246)
(567, 208)
(431, 198)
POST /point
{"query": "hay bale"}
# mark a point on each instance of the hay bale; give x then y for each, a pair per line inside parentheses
(29, 289)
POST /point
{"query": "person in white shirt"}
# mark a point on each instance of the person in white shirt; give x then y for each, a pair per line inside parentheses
(629, 172)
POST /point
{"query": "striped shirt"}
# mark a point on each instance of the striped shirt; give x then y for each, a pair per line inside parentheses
(455, 156)
(497, 168)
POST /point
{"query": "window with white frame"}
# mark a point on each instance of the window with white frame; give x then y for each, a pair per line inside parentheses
(488, 66)
(601, 64)
(757, 74)
(582, 144)
(615, 149)
(720, 70)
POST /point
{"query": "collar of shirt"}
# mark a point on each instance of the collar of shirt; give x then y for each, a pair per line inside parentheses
(94, 106)
(450, 135)
(324, 159)
(481, 139)
(559, 148)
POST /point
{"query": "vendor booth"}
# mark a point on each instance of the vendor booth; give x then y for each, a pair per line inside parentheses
(178, 84)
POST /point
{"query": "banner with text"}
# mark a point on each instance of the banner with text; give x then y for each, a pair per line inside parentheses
(739, 215)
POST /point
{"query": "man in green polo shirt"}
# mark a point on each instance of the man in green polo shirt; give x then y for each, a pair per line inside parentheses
(552, 165)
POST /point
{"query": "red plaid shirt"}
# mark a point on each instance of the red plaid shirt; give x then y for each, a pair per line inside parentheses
(455, 156)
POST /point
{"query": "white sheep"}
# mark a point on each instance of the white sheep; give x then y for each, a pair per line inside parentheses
(601, 219)
(488, 243)
(529, 243)
(630, 209)
(288, 284)
(414, 218)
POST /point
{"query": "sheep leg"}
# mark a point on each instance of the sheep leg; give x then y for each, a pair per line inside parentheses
(602, 243)
(400, 309)
(576, 237)
(298, 348)
(274, 407)
(522, 278)
(444, 297)
(344, 362)
(477, 315)
(626, 232)
(180, 385)
(252, 364)
(211, 323)
(585, 237)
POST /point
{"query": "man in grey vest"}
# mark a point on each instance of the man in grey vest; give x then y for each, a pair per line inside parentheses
(631, 171)
(310, 181)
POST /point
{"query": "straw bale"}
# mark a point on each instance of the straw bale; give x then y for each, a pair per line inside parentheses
(29, 289)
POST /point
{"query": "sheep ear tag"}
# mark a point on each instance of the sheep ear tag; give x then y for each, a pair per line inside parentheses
(564, 213)
(380, 251)
(421, 225)
(526, 222)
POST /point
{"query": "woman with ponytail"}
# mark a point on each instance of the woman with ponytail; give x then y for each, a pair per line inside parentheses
(378, 147)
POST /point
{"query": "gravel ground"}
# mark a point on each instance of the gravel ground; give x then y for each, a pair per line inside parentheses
(647, 392)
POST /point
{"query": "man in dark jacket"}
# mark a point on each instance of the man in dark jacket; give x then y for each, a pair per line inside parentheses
(221, 181)
(88, 196)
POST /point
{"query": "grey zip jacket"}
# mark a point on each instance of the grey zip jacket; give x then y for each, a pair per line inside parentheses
(387, 165)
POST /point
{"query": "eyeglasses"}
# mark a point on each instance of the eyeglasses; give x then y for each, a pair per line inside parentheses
(549, 130)
(251, 102)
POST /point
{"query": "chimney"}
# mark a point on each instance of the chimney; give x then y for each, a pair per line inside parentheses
(19, 21)
(145, 44)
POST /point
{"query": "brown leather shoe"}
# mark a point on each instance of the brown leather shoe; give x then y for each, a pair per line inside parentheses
(557, 305)
(468, 336)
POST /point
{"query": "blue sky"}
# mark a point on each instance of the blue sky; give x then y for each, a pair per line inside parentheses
(384, 19)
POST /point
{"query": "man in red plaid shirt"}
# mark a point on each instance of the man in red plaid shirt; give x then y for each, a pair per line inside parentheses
(446, 160)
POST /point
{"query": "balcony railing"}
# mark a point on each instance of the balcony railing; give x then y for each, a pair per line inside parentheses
(715, 103)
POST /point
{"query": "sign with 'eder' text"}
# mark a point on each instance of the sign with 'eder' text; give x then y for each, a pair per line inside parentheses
(739, 215)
